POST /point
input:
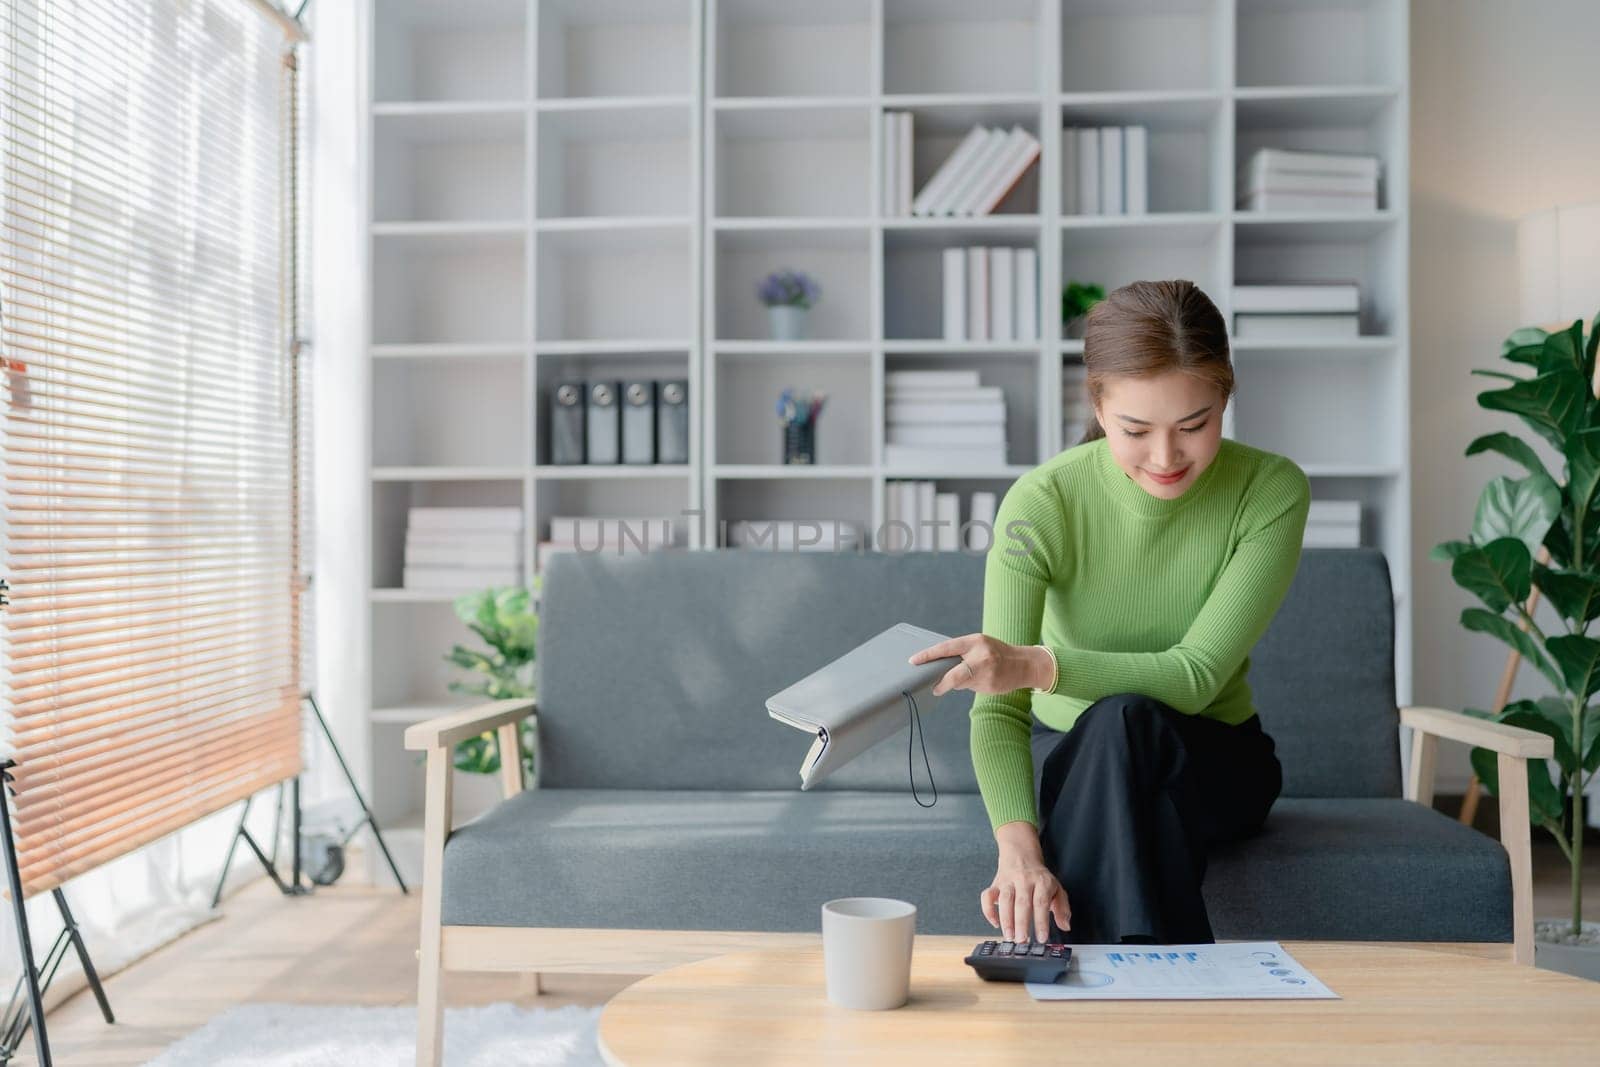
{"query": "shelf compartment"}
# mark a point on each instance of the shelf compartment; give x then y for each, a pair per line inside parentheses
(1187, 169)
(748, 385)
(1115, 255)
(804, 161)
(1017, 376)
(472, 50)
(460, 412)
(913, 278)
(827, 498)
(391, 504)
(1142, 45)
(448, 167)
(953, 46)
(768, 48)
(615, 283)
(645, 363)
(447, 288)
(838, 258)
(963, 485)
(409, 671)
(1322, 410)
(1359, 123)
(1280, 254)
(1316, 42)
(938, 128)
(627, 497)
(615, 162)
(616, 47)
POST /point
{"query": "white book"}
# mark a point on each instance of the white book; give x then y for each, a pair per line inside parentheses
(981, 181)
(947, 513)
(950, 378)
(955, 394)
(1293, 182)
(470, 539)
(462, 578)
(1296, 327)
(887, 169)
(1341, 510)
(1069, 171)
(891, 515)
(588, 529)
(903, 182)
(977, 294)
(1089, 171)
(961, 188)
(954, 162)
(1001, 298)
(1024, 150)
(925, 517)
(459, 556)
(965, 457)
(1285, 161)
(940, 204)
(980, 513)
(955, 294)
(966, 434)
(464, 518)
(908, 514)
(1025, 283)
(1333, 203)
(1135, 170)
(1111, 170)
(952, 412)
(1296, 298)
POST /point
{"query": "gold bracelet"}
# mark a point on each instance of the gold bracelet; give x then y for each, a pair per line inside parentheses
(1054, 670)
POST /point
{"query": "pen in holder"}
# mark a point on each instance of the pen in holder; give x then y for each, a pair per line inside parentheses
(798, 416)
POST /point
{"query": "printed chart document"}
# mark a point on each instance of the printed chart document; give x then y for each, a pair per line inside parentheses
(1243, 970)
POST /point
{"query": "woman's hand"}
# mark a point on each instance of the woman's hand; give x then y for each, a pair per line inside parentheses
(988, 665)
(1024, 893)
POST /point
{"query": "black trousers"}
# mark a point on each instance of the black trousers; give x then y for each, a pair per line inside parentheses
(1131, 798)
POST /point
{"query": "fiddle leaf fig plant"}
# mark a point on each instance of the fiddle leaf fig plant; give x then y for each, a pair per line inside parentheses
(1535, 532)
(504, 620)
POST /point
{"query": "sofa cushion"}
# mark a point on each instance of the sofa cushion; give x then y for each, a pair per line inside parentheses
(1355, 869)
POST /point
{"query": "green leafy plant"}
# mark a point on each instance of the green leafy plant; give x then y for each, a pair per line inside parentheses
(505, 621)
(1515, 518)
(1077, 298)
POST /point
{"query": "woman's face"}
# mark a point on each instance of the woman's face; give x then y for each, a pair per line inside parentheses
(1168, 424)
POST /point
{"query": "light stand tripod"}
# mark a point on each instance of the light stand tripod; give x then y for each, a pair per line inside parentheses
(294, 887)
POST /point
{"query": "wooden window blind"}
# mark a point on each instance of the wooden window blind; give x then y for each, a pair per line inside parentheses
(150, 530)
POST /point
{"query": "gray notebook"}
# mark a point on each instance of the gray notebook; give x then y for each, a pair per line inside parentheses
(859, 699)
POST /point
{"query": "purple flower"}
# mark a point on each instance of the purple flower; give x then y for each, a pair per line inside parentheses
(789, 287)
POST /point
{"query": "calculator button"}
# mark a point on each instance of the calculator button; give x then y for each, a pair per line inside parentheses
(1037, 950)
(1005, 948)
(1056, 952)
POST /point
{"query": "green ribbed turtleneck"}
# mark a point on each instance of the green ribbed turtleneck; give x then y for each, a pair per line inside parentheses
(1132, 593)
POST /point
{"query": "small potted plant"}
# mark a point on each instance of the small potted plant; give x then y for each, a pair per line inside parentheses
(1076, 300)
(1540, 532)
(788, 295)
(503, 618)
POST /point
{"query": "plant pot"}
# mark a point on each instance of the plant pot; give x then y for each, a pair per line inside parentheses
(788, 321)
(475, 793)
(1581, 960)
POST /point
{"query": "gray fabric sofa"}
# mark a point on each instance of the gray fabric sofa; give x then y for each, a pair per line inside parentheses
(667, 799)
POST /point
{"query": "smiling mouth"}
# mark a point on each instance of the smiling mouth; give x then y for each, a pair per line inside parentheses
(1170, 477)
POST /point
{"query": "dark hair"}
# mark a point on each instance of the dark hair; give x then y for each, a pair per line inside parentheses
(1149, 328)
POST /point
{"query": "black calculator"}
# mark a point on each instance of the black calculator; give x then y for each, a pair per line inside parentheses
(1020, 961)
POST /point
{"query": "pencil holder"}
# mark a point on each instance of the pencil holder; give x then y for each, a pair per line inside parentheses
(799, 442)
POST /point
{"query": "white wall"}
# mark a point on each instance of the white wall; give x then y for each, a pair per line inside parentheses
(1505, 103)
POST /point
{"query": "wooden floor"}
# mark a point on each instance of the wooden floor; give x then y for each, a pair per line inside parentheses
(352, 944)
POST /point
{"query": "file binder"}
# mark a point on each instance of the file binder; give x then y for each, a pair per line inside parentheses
(859, 699)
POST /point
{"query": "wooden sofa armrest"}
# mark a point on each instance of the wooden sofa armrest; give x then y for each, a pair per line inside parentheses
(1513, 746)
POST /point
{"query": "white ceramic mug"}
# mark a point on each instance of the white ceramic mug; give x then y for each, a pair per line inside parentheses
(866, 951)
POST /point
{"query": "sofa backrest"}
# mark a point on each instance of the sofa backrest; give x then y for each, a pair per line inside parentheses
(654, 668)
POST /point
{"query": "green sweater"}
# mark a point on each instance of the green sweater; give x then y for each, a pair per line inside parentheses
(1132, 593)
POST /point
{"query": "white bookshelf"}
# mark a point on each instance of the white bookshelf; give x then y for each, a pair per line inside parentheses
(589, 188)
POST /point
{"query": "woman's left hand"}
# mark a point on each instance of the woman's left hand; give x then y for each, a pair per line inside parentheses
(988, 664)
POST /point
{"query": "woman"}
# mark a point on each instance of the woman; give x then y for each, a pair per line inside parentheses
(1128, 579)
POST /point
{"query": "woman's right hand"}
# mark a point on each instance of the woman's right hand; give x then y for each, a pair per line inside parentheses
(1025, 894)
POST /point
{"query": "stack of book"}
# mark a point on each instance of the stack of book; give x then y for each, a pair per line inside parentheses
(943, 418)
(1105, 170)
(1076, 412)
(1296, 312)
(795, 535)
(1276, 179)
(459, 549)
(973, 180)
(919, 518)
(611, 535)
(1333, 524)
(991, 294)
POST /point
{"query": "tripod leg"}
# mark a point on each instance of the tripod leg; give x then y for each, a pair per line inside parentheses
(351, 778)
(41, 1040)
(232, 845)
(83, 955)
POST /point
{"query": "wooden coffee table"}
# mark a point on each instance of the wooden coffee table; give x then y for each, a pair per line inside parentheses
(1404, 1002)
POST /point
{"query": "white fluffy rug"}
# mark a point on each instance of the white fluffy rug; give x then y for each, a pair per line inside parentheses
(317, 1035)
